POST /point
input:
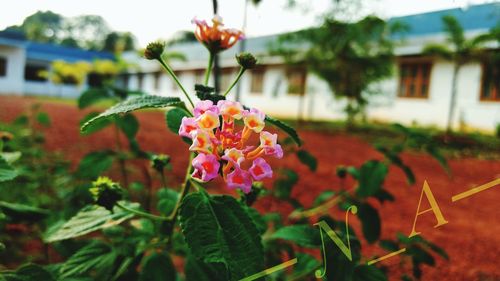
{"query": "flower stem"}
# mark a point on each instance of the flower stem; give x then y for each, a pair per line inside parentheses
(142, 214)
(240, 73)
(185, 188)
(171, 72)
(209, 68)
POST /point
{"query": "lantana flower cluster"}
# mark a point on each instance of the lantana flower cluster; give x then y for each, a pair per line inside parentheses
(223, 149)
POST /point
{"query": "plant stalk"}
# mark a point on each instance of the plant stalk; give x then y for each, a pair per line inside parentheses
(185, 188)
(208, 71)
(240, 73)
(142, 214)
(176, 79)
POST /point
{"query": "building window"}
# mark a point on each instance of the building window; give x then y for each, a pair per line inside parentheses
(490, 84)
(157, 76)
(3, 67)
(140, 81)
(32, 72)
(296, 81)
(257, 83)
(414, 79)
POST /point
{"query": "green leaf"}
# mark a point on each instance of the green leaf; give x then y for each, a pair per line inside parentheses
(218, 230)
(436, 154)
(308, 159)
(323, 197)
(306, 265)
(94, 164)
(300, 234)
(371, 176)
(392, 155)
(89, 219)
(11, 157)
(20, 212)
(257, 219)
(286, 128)
(174, 119)
(128, 124)
(368, 273)
(370, 222)
(196, 270)
(132, 104)
(97, 127)
(383, 195)
(158, 267)
(97, 257)
(207, 93)
(92, 96)
(28, 272)
(167, 199)
(7, 173)
(43, 119)
(284, 184)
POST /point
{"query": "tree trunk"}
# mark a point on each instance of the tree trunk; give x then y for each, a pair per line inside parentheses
(453, 99)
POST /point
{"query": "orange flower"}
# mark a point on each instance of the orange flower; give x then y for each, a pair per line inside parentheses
(215, 37)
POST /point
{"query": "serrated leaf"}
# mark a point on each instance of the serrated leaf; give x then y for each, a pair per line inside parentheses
(370, 222)
(371, 176)
(94, 164)
(97, 127)
(218, 231)
(300, 234)
(20, 212)
(285, 128)
(158, 267)
(89, 219)
(136, 103)
(196, 270)
(308, 159)
(7, 172)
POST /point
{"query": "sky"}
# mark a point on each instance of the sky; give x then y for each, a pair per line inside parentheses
(150, 20)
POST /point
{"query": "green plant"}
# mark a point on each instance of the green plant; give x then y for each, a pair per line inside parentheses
(215, 236)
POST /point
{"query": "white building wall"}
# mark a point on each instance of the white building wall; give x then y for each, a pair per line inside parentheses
(12, 83)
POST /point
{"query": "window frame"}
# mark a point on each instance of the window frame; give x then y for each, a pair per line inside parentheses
(40, 67)
(495, 88)
(260, 71)
(418, 81)
(3, 66)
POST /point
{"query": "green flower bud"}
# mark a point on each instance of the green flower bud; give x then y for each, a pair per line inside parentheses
(341, 172)
(160, 162)
(154, 50)
(106, 192)
(246, 60)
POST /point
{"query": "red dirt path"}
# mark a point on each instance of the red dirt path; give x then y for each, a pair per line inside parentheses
(471, 237)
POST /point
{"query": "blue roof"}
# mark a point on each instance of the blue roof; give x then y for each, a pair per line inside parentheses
(50, 52)
(475, 17)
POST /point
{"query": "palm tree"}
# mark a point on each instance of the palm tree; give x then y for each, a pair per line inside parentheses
(459, 51)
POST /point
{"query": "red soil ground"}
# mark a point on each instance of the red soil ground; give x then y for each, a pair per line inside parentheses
(471, 237)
